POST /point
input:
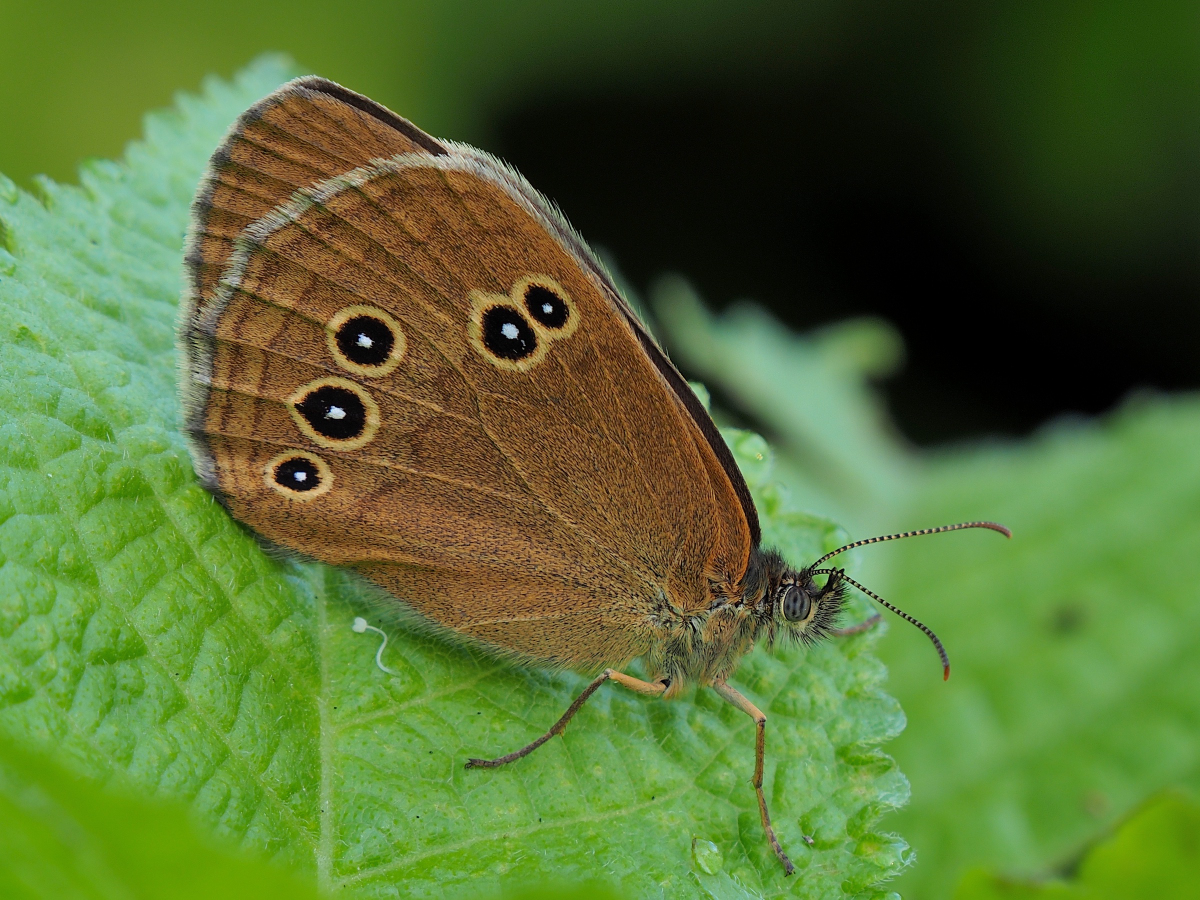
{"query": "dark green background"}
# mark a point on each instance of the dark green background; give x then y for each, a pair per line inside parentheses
(1013, 185)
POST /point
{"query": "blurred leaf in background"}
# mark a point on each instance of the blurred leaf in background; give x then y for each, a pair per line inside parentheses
(1155, 854)
(844, 458)
(146, 639)
(62, 837)
(1077, 692)
(80, 76)
(830, 160)
(1076, 646)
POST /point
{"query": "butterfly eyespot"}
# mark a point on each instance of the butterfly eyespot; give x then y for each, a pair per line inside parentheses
(298, 475)
(335, 413)
(366, 341)
(547, 304)
(507, 334)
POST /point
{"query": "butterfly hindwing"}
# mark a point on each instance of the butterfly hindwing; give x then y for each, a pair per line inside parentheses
(407, 370)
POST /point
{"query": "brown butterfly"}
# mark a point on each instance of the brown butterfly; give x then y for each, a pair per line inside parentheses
(400, 358)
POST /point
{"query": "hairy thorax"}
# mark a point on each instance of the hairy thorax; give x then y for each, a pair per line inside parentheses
(704, 647)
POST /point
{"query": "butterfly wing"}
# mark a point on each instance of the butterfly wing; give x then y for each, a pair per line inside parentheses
(307, 131)
(558, 501)
(556, 223)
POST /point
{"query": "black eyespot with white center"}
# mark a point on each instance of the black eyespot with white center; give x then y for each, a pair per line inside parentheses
(796, 604)
(507, 334)
(366, 340)
(299, 474)
(334, 412)
(547, 307)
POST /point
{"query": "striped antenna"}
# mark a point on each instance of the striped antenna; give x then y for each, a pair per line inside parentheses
(841, 575)
(994, 526)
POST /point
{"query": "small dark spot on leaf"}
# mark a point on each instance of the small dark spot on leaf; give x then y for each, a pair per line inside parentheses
(1068, 618)
(1095, 804)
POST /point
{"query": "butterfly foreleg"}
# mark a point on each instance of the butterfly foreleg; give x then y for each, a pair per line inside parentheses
(655, 688)
(865, 625)
(760, 745)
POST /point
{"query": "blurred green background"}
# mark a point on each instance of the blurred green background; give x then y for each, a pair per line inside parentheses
(1011, 187)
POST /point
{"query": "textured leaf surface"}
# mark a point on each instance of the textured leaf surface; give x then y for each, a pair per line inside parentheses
(1076, 646)
(148, 640)
(1156, 854)
(63, 837)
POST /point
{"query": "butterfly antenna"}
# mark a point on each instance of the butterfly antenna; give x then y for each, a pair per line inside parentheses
(898, 611)
(994, 526)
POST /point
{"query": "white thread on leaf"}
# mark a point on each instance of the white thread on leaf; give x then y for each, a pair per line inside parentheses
(361, 626)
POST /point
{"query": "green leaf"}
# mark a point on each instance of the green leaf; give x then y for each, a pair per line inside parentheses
(63, 837)
(148, 640)
(1076, 687)
(1153, 854)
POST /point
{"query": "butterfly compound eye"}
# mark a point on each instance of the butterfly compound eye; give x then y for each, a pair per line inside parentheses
(507, 334)
(796, 604)
(546, 306)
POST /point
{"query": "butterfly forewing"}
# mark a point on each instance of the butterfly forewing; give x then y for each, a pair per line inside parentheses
(304, 133)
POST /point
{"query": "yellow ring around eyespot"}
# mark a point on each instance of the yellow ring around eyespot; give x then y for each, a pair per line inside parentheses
(517, 295)
(481, 302)
(303, 496)
(399, 345)
(370, 426)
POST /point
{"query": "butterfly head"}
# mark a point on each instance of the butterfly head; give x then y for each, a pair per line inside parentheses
(804, 606)
(806, 610)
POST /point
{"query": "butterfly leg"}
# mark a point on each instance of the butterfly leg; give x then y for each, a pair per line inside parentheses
(655, 688)
(760, 745)
(865, 625)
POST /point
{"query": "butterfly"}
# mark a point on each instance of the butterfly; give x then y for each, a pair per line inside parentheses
(400, 358)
